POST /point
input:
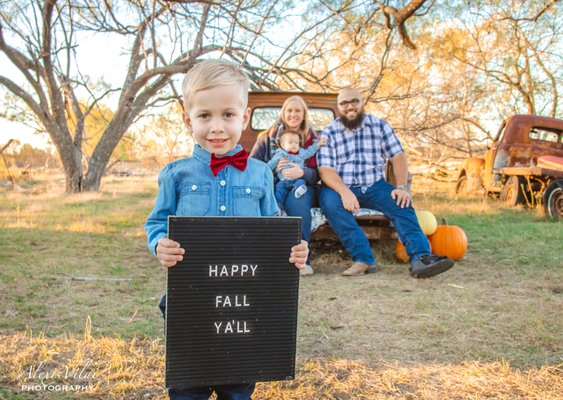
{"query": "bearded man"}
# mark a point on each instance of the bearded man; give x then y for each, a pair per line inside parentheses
(351, 167)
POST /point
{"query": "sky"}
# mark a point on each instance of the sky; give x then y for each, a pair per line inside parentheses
(109, 67)
(14, 130)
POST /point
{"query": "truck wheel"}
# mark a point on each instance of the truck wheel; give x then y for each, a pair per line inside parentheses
(553, 199)
(511, 192)
(461, 186)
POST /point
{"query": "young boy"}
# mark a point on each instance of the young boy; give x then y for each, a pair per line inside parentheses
(289, 143)
(215, 95)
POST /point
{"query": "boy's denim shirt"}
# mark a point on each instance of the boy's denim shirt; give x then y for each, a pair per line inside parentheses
(187, 187)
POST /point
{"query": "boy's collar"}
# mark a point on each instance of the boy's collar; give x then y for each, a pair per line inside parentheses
(201, 154)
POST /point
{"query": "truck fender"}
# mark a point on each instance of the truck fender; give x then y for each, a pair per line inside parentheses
(469, 178)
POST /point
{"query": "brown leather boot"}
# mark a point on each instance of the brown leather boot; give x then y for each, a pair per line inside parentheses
(359, 268)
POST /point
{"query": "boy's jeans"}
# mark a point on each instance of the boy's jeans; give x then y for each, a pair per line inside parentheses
(224, 392)
(283, 188)
(377, 197)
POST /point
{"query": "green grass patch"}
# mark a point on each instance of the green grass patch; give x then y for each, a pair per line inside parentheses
(502, 301)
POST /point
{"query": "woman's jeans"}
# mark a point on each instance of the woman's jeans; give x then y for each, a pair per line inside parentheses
(286, 187)
(301, 207)
(377, 197)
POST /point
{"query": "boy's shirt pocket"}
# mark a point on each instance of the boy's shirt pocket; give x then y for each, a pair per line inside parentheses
(194, 199)
(246, 200)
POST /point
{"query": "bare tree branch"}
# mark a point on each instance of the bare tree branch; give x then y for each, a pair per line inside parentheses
(397, 18)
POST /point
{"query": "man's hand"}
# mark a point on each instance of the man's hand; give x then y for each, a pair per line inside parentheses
(169, 252)
(350, 201)
(299, 254)
(403, 197)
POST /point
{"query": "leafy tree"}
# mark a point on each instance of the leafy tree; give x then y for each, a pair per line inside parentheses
(40, 39)
(476, 62)
(30, 157)
(163, 137)
(516, 49)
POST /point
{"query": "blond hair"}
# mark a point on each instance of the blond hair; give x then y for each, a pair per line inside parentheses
(304, 127)
(210, 74)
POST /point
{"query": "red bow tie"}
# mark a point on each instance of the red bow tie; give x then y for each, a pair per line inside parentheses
(293, 152)
(238, 160)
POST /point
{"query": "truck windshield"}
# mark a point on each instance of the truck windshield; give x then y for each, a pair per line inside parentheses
(544, 135)
(501, 131)
(264, 117)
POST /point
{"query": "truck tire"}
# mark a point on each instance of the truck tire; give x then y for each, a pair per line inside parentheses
(553, 199)
(511, 192)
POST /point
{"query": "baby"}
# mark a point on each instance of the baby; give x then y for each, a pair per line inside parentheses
(289, 143)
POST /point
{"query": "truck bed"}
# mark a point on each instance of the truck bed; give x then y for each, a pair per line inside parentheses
(531, 171)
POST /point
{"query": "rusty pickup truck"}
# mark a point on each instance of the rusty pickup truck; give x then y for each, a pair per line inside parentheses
(523, 165)
(265, 108)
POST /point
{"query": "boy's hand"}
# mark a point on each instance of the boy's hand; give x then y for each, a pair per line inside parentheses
(299, 254)
(169, 252)
(322, 141)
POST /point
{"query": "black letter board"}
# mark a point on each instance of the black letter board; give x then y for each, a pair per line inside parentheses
(231, 314)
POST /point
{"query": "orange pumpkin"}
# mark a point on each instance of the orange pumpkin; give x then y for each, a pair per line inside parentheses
(401, 252)
(427, 222)
(449, 241)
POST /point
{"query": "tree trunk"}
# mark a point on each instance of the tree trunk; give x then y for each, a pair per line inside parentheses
(105, 147)
(73, 171)
(93, 178)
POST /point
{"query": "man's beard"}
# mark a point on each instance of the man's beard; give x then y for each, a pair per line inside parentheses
(352, 123)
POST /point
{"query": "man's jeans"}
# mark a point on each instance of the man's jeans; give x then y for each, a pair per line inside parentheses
(377, 197)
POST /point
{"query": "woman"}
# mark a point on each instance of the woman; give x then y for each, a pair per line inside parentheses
(293, 116)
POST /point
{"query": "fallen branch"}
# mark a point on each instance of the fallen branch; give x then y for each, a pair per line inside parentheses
(83, 278)
(436, 176)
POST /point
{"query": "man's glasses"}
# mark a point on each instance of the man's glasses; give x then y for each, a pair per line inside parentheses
(354, 102)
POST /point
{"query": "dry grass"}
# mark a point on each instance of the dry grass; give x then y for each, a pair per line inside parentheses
(47, 206)
(132, 369)
(489, 328)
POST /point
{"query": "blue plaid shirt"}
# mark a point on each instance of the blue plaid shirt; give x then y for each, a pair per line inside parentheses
(359, 156)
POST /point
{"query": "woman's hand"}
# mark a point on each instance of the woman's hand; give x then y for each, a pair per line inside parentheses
(293, 172)
(299, 255)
